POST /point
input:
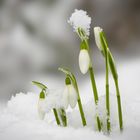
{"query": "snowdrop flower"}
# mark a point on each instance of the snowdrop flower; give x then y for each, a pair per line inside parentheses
(97, 31)
(84, 60)
(80, 19)
(69, 95)
(41, 104)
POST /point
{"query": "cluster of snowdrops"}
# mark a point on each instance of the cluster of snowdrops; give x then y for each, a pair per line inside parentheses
(70, 96)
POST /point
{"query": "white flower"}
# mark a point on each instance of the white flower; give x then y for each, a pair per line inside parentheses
(69, 96)
(80, 19)
(84, 61)
(97, 31)
(41, 110)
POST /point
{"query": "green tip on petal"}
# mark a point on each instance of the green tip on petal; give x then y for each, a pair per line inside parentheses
(42, 95)
(84, 45)
(67, 81)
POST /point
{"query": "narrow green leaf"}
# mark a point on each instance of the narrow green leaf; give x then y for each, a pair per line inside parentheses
(104, 44)
(40, 85)
(112, 65)
(63, 116)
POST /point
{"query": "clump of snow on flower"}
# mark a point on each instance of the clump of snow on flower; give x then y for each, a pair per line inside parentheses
(80, 19)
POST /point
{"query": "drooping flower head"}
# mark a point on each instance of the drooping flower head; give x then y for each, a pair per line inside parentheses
(69, 95)
(80, 20)
(41, 103)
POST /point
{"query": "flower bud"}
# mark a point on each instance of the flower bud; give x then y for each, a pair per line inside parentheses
(69, 95)
(41, 104)
(41, 111)
(72, 96)
(84, 61)
(97, 31)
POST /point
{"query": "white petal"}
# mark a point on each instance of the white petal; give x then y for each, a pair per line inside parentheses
(97, 31)
(65, 97)
(84, 61)
(41, 111)
(72, 96)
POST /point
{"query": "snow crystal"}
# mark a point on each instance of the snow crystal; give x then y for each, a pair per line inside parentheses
(80, 19)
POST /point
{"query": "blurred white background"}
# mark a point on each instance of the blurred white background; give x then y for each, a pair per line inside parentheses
(35, 38)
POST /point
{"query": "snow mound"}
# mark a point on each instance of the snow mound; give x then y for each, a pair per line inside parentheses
(19, 120)
(23, 105)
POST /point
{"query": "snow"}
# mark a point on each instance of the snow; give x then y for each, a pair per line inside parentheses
(19, 117)
(80, 19)
(53, 99)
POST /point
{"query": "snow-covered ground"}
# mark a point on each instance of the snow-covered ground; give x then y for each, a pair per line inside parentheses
(19, 117)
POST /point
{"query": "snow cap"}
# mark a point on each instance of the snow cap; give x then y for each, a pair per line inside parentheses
(80, 19)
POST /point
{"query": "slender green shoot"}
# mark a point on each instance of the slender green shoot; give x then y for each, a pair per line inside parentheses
(105, 52)
(115, 77)
(85, 45)
(56, 116)
(63, 116)
(95, 94)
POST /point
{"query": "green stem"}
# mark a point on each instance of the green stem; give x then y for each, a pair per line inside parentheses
(80, 107)
(95, 94)
(119, 105)
(107, 95)
(81, 112)
(56, 116)
(63, 117)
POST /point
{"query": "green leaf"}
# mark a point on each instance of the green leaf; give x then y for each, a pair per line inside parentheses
(103, 43)
(105, 52)
(104, 38)
(63, 116)
(112, 65)
(40, 85)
